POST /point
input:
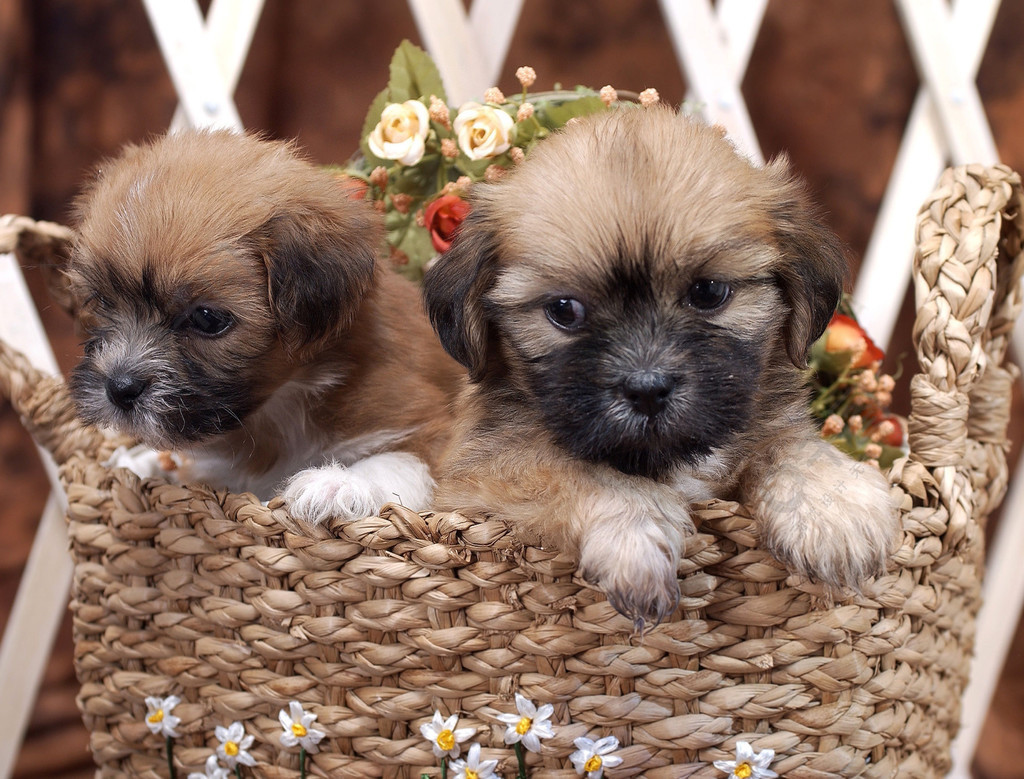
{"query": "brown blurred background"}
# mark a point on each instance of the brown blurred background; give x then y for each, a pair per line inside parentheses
(830, 83)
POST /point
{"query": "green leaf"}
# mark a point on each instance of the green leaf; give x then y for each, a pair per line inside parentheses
(371, 121)
(557, 115)
(525, 132)
(414, 75)
(420, 179)
(411, 239)
(475, 168)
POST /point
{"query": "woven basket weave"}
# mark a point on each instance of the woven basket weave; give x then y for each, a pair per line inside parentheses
(375, 623)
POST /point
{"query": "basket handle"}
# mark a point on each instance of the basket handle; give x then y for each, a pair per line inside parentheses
(40, 399)
(967, 273)
(45, 407)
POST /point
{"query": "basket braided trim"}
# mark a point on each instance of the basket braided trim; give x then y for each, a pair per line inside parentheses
(26, 236)
(373, 624)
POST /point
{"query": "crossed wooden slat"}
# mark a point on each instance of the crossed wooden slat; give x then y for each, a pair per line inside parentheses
(204, 59)
(468, 48)
(946, 123)
(713, 48)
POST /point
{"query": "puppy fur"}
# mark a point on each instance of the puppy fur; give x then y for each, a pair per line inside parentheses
(635, 304)
(235, 310)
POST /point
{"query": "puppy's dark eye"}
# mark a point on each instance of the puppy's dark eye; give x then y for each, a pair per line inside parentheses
(708, 294)
(210, 321)
(566, 313)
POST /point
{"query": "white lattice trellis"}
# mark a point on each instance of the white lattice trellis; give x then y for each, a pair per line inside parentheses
(713, 45)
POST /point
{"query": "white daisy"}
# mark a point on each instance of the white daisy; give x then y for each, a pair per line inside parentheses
(748, 763)
(530, 725)
(473, 768)
(592, 757)
(298, 730)
(443, 736)
(159, 718)
(234, 745)
(213, 770)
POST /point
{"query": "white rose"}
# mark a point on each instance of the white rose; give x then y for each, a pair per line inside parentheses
(483, 131)
(400, 133)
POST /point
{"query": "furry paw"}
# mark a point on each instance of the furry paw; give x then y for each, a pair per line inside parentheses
(646, 594)
(318, 494)
(635, 560)
(827, 516)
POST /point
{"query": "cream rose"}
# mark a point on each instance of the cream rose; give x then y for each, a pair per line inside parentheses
(400, 133)
(483, 131)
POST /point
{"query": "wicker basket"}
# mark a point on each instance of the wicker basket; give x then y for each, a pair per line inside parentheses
(374, 624)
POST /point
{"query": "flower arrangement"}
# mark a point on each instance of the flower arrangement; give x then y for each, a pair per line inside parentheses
(523, 729)
(851, 397)
(233, 742)
(418, 155)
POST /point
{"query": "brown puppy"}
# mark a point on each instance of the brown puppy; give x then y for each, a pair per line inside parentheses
(634, 304)
(235, 310)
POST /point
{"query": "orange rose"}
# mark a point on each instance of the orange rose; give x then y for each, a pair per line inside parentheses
(352, 187)
(442, 218)
(845, 336)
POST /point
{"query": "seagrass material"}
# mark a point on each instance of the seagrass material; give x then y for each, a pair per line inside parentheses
(374, 624)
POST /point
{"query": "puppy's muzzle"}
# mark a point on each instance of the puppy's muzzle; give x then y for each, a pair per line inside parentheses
(125, 390)
(648, 391)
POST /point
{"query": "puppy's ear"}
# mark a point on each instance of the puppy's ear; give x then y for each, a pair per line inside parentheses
(813, 265)
(453, 292)
(320, 265)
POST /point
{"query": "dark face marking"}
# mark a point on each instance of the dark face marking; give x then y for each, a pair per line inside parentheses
(649, 382)
(161, 366)
(181, 402)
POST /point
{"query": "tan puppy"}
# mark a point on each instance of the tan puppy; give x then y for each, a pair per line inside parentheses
(235, 311)
(634, 304)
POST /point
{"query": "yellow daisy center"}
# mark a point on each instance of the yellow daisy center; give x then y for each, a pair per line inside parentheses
(593, 763)
(156, 716)
(471, 774)
(298, 730)
(231, 749)
(446, 740)
(524, 726)
(743, 771)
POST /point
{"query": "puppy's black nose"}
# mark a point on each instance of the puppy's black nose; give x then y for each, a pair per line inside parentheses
(648, 391)
(123, 391)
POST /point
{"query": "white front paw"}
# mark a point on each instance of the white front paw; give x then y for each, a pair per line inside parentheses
(360, 490)
(318, 494)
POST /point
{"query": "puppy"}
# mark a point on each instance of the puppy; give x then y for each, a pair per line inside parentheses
(635, 304)
(235, 311)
